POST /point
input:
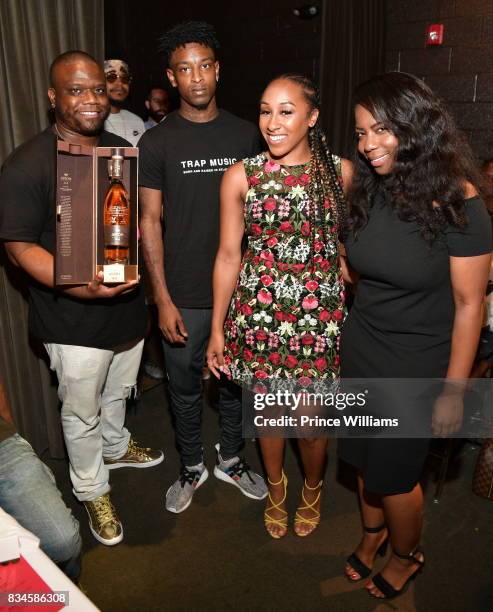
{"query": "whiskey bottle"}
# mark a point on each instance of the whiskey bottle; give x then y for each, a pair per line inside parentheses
(116, 214)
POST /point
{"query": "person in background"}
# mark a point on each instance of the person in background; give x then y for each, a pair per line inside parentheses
(92, 333)
(181, 163)
(28, 492)
(420, 239)
(121, 121)
(158, 104)
(487, 172)
(484, 358)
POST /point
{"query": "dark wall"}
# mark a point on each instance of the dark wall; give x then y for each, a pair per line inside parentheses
(461, 70)
(259, 39)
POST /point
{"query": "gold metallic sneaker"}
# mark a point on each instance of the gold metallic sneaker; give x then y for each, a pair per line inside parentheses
(103, 520)
(136, 456)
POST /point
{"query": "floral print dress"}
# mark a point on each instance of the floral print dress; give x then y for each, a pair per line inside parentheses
(286, 312)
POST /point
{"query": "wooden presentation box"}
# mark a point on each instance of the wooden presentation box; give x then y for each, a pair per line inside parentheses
(82, 184)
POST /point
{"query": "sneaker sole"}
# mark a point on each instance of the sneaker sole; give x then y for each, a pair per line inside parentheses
(218, 473)
(112, 542)
(202, 479)
(115, 466)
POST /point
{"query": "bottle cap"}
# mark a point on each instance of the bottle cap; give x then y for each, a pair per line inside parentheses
(115, 164)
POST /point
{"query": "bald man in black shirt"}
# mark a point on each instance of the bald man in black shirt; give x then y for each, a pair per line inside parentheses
(94, 333)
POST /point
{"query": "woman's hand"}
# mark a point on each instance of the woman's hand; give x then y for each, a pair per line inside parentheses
(215, 354)
(448, 413)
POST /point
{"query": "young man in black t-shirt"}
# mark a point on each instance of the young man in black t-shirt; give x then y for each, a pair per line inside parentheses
(93, 334)
(181, 163)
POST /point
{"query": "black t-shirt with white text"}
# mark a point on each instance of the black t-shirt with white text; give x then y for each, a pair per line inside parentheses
(185, 160)
(27, 214)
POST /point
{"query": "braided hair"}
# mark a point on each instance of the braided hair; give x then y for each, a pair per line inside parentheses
(324, 187)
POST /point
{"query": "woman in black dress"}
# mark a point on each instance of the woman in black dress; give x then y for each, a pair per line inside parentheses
(420, 241)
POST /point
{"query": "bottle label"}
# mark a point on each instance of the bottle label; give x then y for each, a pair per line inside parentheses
(114, 273)
(116, 235)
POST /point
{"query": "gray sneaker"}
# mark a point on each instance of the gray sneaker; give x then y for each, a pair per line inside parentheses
(237, 472)
(179, 495)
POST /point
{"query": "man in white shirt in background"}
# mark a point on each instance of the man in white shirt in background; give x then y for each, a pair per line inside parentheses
(158, 104)
(121, 121)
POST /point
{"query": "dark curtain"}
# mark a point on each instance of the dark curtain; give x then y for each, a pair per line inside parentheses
(353, 49)
(32, 34)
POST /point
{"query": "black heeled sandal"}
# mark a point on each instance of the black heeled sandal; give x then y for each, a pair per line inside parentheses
(386, 588)
(355, 562)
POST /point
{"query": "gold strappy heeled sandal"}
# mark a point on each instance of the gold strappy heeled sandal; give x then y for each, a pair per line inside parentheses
(280, 522)
(312, 522)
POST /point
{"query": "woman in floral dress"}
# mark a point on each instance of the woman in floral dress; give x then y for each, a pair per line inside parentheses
(279, 308)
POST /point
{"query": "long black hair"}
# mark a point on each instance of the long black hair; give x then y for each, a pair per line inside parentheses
(433, 162)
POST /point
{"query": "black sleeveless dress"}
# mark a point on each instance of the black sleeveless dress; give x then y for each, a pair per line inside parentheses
(400, 324)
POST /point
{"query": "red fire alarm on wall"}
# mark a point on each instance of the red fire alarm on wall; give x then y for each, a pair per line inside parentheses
(434, 34)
